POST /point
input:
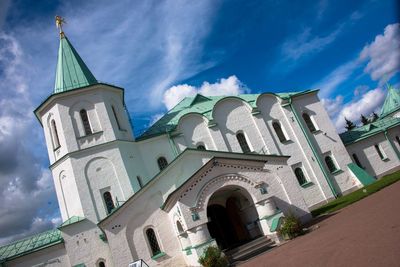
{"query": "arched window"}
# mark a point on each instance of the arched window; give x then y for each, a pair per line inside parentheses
(380, 152)
(309, 122)
(85, 122)
(116, 117)
(398, 140)
(357, 161)
(162, 163)
(300, 176)
(179, 227)
(278, 131)
(243, 143)
(152, 239)
(108, 201)
(331, 165)
(201, 147)
(101, 264)
(56, 141)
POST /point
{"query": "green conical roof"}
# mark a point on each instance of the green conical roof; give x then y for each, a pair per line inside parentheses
(392, 101)
(72, 72)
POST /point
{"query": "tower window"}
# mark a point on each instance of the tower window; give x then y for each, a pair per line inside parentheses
(300, 176)
(56, 141)
(108, 201)
(243, 143)
(152, 239)
(85, 122)
(140, 182)
(330, 164)
(102, 264)
(278, 130)
(309, 122)
(357, 161)
(380, 152)
(116, 117)
(162, 163)
(398, 140)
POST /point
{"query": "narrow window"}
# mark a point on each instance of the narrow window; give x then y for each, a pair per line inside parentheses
(331, 165)
(102, 264)
(108, 201)
(201, 147)
(309, 122)
(300, 176)
(162, 163)
(85, 122)
(279, 132)
(243, 143)
(56, 141)
(151, 237)
(139, 179)
(380, 152)
(179, 227)
(357, 161)
(116, 118)
(398, 140)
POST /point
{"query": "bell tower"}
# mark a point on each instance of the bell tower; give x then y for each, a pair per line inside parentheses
(85, 124)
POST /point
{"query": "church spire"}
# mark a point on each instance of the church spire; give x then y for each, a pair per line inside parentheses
(392, 101)
(72, 72)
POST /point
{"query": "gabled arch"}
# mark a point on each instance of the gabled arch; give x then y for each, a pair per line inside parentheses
(249, 107)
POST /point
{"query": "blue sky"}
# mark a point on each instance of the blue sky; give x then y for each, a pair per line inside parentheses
(161, 51)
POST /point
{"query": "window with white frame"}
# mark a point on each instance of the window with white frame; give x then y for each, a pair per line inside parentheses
(85, 122)
(301, 178)
(108, 201)
(380, 152)
(330, 164)
(54, 135)
(310, 124)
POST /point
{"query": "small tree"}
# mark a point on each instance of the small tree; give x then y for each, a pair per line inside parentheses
(349, 124)
(213, 257)
(364, 120)
(374, 116)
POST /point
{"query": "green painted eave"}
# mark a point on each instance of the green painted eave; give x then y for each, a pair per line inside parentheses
(204, 105)
(376, 127)
(392, 101)
(72, 220)
(30, 244)
(71, 72)
(364, 177)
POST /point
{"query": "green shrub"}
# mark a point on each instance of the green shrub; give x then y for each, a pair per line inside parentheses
(213, 257)
(290, 227)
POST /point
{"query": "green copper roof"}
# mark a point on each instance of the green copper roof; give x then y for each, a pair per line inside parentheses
(364, 177)
(72, 72)
(392, 101)
(72, 220)
(365, 131)
(202, 105)
(30, 244)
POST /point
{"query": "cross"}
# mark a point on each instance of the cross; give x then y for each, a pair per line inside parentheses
(59, 22)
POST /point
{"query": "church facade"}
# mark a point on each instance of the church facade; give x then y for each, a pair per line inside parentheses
(214, 170)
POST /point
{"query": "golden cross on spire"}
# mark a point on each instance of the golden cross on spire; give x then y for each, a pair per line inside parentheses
(59, 22)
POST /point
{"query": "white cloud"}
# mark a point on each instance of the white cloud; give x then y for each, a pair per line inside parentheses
(339, 75)
(333, 106)
(370, 102)
(155, 118)
(383, 54)
(228, 86)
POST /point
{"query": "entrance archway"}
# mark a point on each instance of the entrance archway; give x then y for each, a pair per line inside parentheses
(232, 217)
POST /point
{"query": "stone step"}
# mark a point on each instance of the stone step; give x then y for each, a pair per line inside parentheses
(249, 249)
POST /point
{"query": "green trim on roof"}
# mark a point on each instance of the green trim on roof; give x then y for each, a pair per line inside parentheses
(376, 127)
(203, 106)
(72, 220)
(392, 101)
(30, 244)
(364, 177)
(71, 72)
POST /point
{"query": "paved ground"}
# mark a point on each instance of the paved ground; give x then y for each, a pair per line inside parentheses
(366, 233)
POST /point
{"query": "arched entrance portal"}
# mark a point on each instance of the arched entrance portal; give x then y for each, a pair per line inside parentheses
(232, 217)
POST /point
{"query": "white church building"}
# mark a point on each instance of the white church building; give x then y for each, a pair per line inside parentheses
(214, 170)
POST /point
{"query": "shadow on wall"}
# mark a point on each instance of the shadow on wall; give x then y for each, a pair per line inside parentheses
(288, 208)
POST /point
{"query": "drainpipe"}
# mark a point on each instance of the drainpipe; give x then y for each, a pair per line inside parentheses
(391, 145)
(171, 143)
(315, 153)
